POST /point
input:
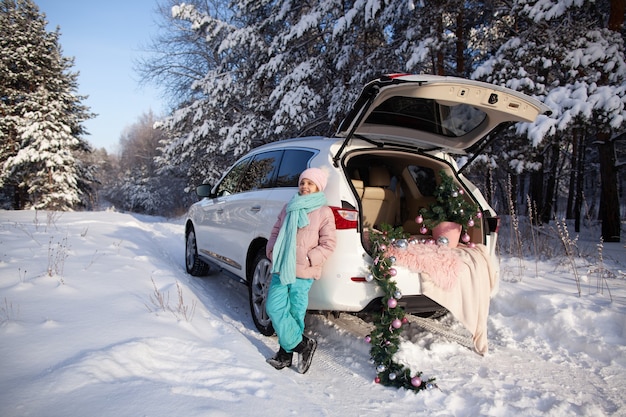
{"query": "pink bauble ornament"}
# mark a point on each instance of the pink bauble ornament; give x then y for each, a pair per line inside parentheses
(470, 223)
(377, 380)
(461, 191)
(465, 238)
(396, 323)
(423, 230)
(392, 303)
(392, 272)
(383, 248)
(405, 320)
(416, 381)
(479, 215)
(419, 219)
(368, 339)
(472, 245)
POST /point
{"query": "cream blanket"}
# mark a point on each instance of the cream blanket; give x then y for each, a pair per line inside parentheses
(467, 294)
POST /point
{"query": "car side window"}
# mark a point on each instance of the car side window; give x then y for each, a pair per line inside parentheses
(294, 162)
(261, 171)
(231, 181)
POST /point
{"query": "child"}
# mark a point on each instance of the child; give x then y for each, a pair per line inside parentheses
(301, 241)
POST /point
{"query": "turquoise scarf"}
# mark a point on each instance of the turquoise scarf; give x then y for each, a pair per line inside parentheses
(284, 254)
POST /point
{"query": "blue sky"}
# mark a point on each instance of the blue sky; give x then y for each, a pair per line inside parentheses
(105, 37)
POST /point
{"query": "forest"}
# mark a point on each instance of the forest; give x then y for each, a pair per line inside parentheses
(238, 74)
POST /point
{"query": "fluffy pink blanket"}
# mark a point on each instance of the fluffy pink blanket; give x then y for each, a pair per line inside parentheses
(440, 263)
(460, 279)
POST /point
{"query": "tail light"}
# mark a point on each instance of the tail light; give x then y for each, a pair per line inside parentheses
(345, 218)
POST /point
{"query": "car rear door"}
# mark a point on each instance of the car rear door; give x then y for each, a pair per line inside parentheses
(433, 112)
(236, 218)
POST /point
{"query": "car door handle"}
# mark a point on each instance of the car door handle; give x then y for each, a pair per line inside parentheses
(255, 208)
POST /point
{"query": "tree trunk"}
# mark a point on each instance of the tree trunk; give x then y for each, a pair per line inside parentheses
(616, 16)
(609, 200)
(536, 190)
(489, 187)
(460, 42)
(549, 209)
(440, 69)
(569, 211)
(580, 180)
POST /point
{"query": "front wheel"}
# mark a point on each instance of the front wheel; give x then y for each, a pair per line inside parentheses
(258, 289)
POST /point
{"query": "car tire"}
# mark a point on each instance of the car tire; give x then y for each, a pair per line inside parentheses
(194, 265)
(259, 285)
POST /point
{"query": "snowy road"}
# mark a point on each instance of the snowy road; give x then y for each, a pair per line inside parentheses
(80, 335)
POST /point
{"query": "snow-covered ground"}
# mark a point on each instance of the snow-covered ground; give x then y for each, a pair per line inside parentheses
(82, 333)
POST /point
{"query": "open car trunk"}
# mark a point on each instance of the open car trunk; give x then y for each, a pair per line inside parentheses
(393, 185)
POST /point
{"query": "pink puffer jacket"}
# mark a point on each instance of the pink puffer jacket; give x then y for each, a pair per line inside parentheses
(314, 243)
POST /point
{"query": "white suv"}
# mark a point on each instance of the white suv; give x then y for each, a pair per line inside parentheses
(384, 165)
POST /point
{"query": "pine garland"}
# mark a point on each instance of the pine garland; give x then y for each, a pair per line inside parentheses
(385, 338)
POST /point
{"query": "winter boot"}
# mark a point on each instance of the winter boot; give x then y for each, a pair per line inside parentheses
(281, 360)
(305, 350)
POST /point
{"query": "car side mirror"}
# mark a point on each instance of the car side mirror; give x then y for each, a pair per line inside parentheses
(204, 190)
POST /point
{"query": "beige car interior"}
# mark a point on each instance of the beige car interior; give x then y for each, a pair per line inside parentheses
(390, 194)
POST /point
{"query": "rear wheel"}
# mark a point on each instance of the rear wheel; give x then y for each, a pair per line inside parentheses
(195, 266)
(258, 289)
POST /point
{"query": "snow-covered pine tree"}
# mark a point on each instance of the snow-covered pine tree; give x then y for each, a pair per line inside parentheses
(562, 53)
(283, 69)
(40, 114)
(277, 69)
(280, 68)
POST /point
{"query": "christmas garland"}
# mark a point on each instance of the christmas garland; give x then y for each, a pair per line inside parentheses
(385, 338)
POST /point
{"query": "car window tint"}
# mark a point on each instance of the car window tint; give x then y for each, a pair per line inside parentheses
(231, 181)
(294, 162)
(427, 115)
(424, 179)
(261, 171)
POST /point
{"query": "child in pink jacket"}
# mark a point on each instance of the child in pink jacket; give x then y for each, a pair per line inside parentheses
(301, 241)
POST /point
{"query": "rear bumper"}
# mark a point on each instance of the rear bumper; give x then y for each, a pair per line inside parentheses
(411, 304)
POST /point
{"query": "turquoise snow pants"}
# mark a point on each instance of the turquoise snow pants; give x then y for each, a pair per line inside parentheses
(286, 306)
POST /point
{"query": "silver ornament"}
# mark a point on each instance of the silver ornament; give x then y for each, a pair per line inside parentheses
(392, 259)
(443, 241)
(392, 376)
(401, 243)
(381, 368)
(369, 277)
(397, 295)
